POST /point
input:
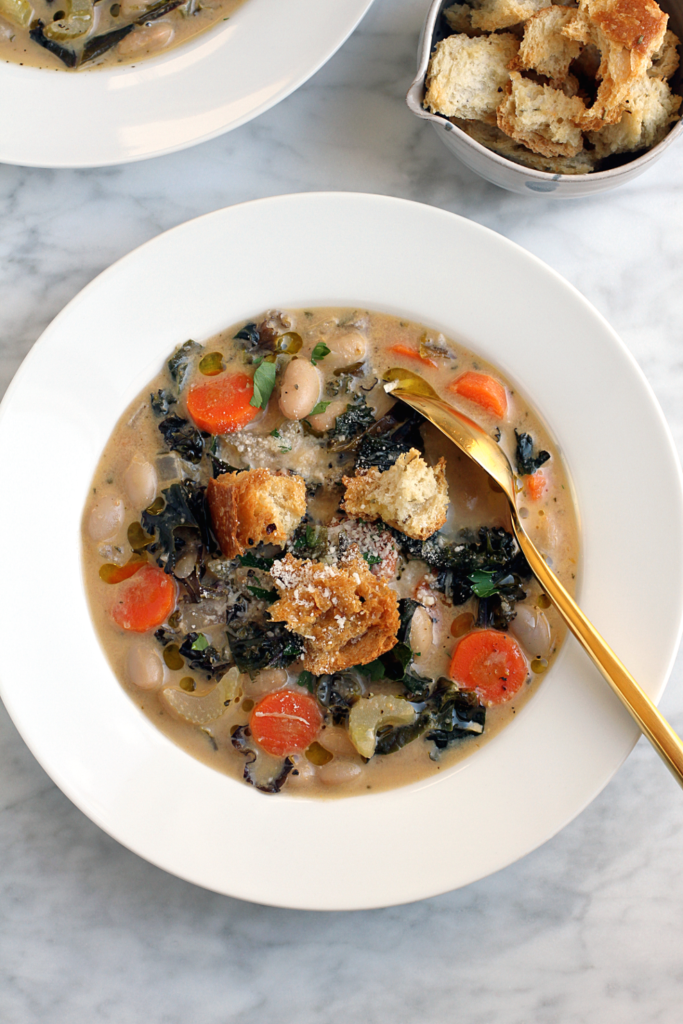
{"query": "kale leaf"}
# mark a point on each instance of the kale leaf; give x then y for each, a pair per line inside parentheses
(202, 656)
(260, 770)
(185, 507)
(181, 362)
(181, 436)
(527, 462)
(161, 401)
(354, 421)
(382, 445)
(255, 646)
(449, 714)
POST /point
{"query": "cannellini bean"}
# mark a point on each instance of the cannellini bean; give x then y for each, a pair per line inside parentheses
(144, 667)
(532, 629)
(267, 681)
(140, 482)
(146, 39)
(345, 349)
(306, 772)
(325, 420)
(300, 391)
(337, 772)
(421, 632)
(336, 740)
(105, 517)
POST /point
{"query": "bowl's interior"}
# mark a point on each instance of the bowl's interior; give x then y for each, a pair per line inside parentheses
(474, 285)
(441, 29)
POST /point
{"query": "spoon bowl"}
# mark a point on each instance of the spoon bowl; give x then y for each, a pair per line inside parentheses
(483, 449)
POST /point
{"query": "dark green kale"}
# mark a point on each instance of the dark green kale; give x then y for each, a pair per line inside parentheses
(67, 57)
(527, 462)
(445, 716)
(270, 596)
(181, 436)
(250, 335)
(99, 45)
(383, 444)
(494, 552)
(251, 561)
(161, 401)
(337, 693)
(256, 646)
(186, 507)
(260, 770)
(201, 656)
(181, 362)
(309, 540)
(354, 421)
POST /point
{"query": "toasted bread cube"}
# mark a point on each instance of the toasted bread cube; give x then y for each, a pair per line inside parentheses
(542, 118)
(467, 77)
(491, 15)
(665, 60)
(650, 107)
(545, 48)
(627, 33)
(346, 615)
(493, 138)
(410, 496)
(253, 506)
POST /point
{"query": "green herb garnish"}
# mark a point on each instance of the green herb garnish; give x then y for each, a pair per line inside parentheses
(320, 407)
(264, 595)
(201, 643)
(306, 679)
(264, 382)
(319, 352)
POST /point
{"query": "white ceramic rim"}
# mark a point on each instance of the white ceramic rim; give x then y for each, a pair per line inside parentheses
(208, 86)
(416, 261)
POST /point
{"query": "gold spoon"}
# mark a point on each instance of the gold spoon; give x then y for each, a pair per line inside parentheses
(482, 449)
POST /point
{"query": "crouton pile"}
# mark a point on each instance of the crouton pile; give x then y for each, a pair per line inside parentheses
(557, 87)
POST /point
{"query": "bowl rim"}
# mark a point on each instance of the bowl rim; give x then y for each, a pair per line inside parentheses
(415, 97)
(153, 797)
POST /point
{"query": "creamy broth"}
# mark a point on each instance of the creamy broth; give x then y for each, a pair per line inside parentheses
(78, 34)
(137, 466)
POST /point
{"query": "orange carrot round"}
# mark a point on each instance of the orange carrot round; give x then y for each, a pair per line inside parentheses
(285, 722)
(490, 663)
(482, 389)
(145, 600)
(411, 353)
(536, 485)
(221, 405)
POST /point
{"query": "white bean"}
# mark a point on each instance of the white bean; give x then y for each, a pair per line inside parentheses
(105, 517)
(345, 350)
(306, 772)
(144, 667)
(300, 391)
(421, 632)
(336, 740)
(146, 39)
(532, 629)
(325, 420)
(140, 482)
(337, 772)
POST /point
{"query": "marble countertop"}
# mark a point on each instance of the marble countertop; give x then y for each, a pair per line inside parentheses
(587, 929)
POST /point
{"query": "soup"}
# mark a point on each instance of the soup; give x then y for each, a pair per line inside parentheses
(75, 34)
(302, 582)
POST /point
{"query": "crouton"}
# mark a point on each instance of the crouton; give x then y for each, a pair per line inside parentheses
(491, 15)
(665, 60)
(254, 506)
(410, 496)
(346, 615)
(650, 107)
(627, 33)
(544, 47)
(493, 138)
(467, 77)
(542, 118)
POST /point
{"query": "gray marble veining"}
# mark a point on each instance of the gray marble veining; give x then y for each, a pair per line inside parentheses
(587, 929)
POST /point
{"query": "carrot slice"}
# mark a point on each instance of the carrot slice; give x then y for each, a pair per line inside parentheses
(483, 389)
(490, 663)
(411, 353)
(285, 722)
(145, 600)
(110, 573)
(221, 406)
(536, 485)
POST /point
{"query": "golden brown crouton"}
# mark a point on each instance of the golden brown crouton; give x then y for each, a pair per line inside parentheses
(493, 138)
(346, 615)
(545, 48)
(254, 506)
(650, 107)
(542, 118)
(491, 15)
(467, 77)
(627, 33)
(410, 496)
(665, 60)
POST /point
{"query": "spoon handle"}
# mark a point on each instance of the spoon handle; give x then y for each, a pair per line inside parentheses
(660, 734)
